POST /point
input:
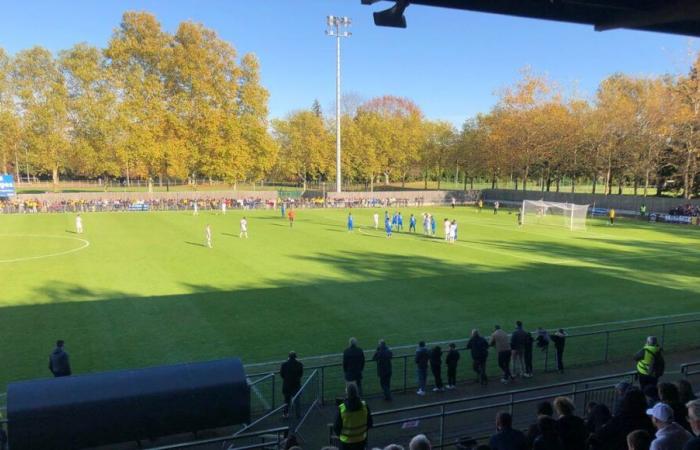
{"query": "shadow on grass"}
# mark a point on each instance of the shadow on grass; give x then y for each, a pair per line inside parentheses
(373, 295)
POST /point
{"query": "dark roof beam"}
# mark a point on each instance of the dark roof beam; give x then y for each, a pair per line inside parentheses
(678, 11)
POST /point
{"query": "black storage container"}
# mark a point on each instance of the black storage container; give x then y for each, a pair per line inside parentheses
(104, 408)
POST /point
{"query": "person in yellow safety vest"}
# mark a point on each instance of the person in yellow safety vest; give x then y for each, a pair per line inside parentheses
(611, 215)
(353, 420)
(650, 363)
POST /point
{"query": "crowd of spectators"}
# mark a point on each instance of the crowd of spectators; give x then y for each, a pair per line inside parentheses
(36, 205)
(685, 210)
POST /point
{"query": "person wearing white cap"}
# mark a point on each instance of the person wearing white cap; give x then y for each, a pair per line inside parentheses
(670, 435)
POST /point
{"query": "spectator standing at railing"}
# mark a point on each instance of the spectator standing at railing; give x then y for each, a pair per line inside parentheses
(650, 363)
(451, 361)
(559, 340)
(479, 348)
(422, 358)
(382, 356)
(668, 394)
(685, 391)
(499, 340)
(419, 442)
(543, 409)
(59, 361)
(670, 435)
(630, 417)
(548, 437)
(354, 364)
(638, 440)
(436, 368)
(506, 437)
(572, 429)
(353, 420)
(291, 372)
(694, 420)
(518, 342)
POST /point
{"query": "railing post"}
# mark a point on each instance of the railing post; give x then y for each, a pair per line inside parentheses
(405, 373)
(607, 345)
(442, 425)
(273, 390)
(546, 357)
(663, 334)
(510, 407)
(573, 394)
(323, 385)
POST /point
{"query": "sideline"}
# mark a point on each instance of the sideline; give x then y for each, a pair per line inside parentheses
(85, 243)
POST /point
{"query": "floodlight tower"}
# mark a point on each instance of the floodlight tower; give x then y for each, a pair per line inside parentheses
(337, 27)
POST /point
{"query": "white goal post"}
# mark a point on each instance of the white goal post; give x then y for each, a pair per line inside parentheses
(567, 215)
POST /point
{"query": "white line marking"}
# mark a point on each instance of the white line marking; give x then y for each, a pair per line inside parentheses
(50, 255)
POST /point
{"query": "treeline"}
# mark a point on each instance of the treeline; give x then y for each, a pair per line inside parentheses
(157, 106)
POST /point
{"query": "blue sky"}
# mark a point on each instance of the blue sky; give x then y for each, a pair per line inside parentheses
(452, 63)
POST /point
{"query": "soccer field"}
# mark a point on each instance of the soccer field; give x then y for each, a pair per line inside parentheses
(139, 289)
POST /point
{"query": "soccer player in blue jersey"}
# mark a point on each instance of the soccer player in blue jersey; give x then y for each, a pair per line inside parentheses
(350, 222)
(432, 224)
(412, 224)
(387, 227)
(399, 222)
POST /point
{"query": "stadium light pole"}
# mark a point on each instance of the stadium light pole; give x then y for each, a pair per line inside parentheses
(338, 28)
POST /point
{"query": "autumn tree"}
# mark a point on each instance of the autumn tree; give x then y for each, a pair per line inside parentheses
(42, 99)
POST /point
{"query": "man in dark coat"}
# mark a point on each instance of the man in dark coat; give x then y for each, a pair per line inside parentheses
(518, 342)
(436, 368)
(354, 364)
(479, 348)
(422, 358)
(559, 340)
(383, 357)
(451, 361)
(59, 362)
(291, 372)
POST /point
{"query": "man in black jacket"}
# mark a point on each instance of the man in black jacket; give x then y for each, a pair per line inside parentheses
(59, 362)
(436, 368)
(559, 340)
(354, 364)
(383, 357)
(480, 351)
(451, 361)
(291, 372)
(518, 342)
(422, 358)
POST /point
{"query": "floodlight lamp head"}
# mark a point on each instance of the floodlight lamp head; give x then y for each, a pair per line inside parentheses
(330, 20)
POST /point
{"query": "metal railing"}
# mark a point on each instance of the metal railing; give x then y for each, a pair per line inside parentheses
(582, 349)
(445, 420)
(263, 435)
(690, 369)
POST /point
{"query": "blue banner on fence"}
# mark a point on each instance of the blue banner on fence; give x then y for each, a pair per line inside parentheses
(7, 186)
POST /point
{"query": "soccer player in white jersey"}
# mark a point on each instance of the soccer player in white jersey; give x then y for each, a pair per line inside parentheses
(79, 224)
(376, 220)
(207, 235)
(223, 207)
(446, 228)
(453, 232)
(244, 228)
(195, 208)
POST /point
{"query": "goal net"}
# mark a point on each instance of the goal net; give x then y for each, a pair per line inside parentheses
(567, 215)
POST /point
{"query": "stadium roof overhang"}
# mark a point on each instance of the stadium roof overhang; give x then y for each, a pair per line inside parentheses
(665, 16)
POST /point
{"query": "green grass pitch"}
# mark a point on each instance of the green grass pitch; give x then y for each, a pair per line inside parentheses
(146, 291)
